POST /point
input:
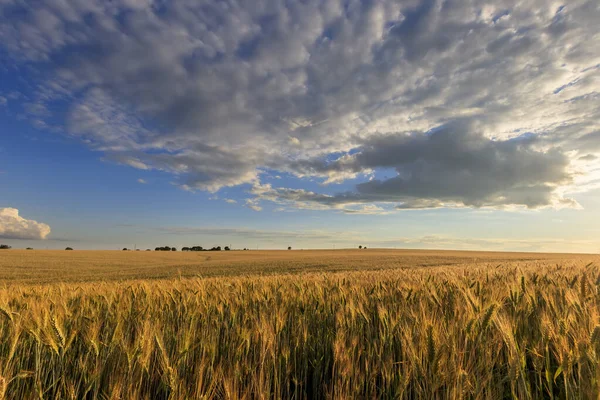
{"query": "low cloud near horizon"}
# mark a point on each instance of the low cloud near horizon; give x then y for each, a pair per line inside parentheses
(13, 226)
(470, 103)
(339, 239)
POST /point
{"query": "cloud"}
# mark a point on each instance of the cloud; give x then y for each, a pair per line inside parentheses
(367, 209)
(217, 95)
(36, 109)
(253, 204)
(13, 226)
(230, 201)
(247, 233)
(142, 181)
(456, 164)
(3, 101)
(588, 157)
(372, 239)
(448, 242)
(452, 166)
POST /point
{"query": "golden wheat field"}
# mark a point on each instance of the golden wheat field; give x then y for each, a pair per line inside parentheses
(299, 325)
(51, 266)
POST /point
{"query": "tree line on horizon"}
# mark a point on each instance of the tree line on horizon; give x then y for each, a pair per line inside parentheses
(168, 248)
(193, 248)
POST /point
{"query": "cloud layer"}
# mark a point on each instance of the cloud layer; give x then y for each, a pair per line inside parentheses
(351, 239)
(453, 165)
(13, 226)
(471, 103)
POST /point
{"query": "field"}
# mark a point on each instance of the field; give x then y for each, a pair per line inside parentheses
(53, 266)
(343, 324)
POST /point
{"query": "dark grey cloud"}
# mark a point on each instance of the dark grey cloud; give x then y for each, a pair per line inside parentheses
(457, 164)
(215, 92)
(453, 165)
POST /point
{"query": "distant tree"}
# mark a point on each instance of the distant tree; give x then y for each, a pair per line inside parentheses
(365, 247)
(69, 248)
(227, 248)
(185, 249)
(217, 248)
(148, 250)
(125, 249)
(29, 248)
(165, 248)
(4, 246)
(360, 247)
(289, 247)
(173, 248)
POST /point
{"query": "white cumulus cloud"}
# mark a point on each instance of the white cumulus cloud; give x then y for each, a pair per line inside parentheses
(13, 226)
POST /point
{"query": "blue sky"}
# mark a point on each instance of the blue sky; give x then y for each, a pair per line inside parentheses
(417, 124)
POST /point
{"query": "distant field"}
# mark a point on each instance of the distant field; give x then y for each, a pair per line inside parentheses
(48, 266)
(346, 324)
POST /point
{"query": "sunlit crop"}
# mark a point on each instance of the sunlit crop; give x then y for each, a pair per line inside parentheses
(522, 330)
